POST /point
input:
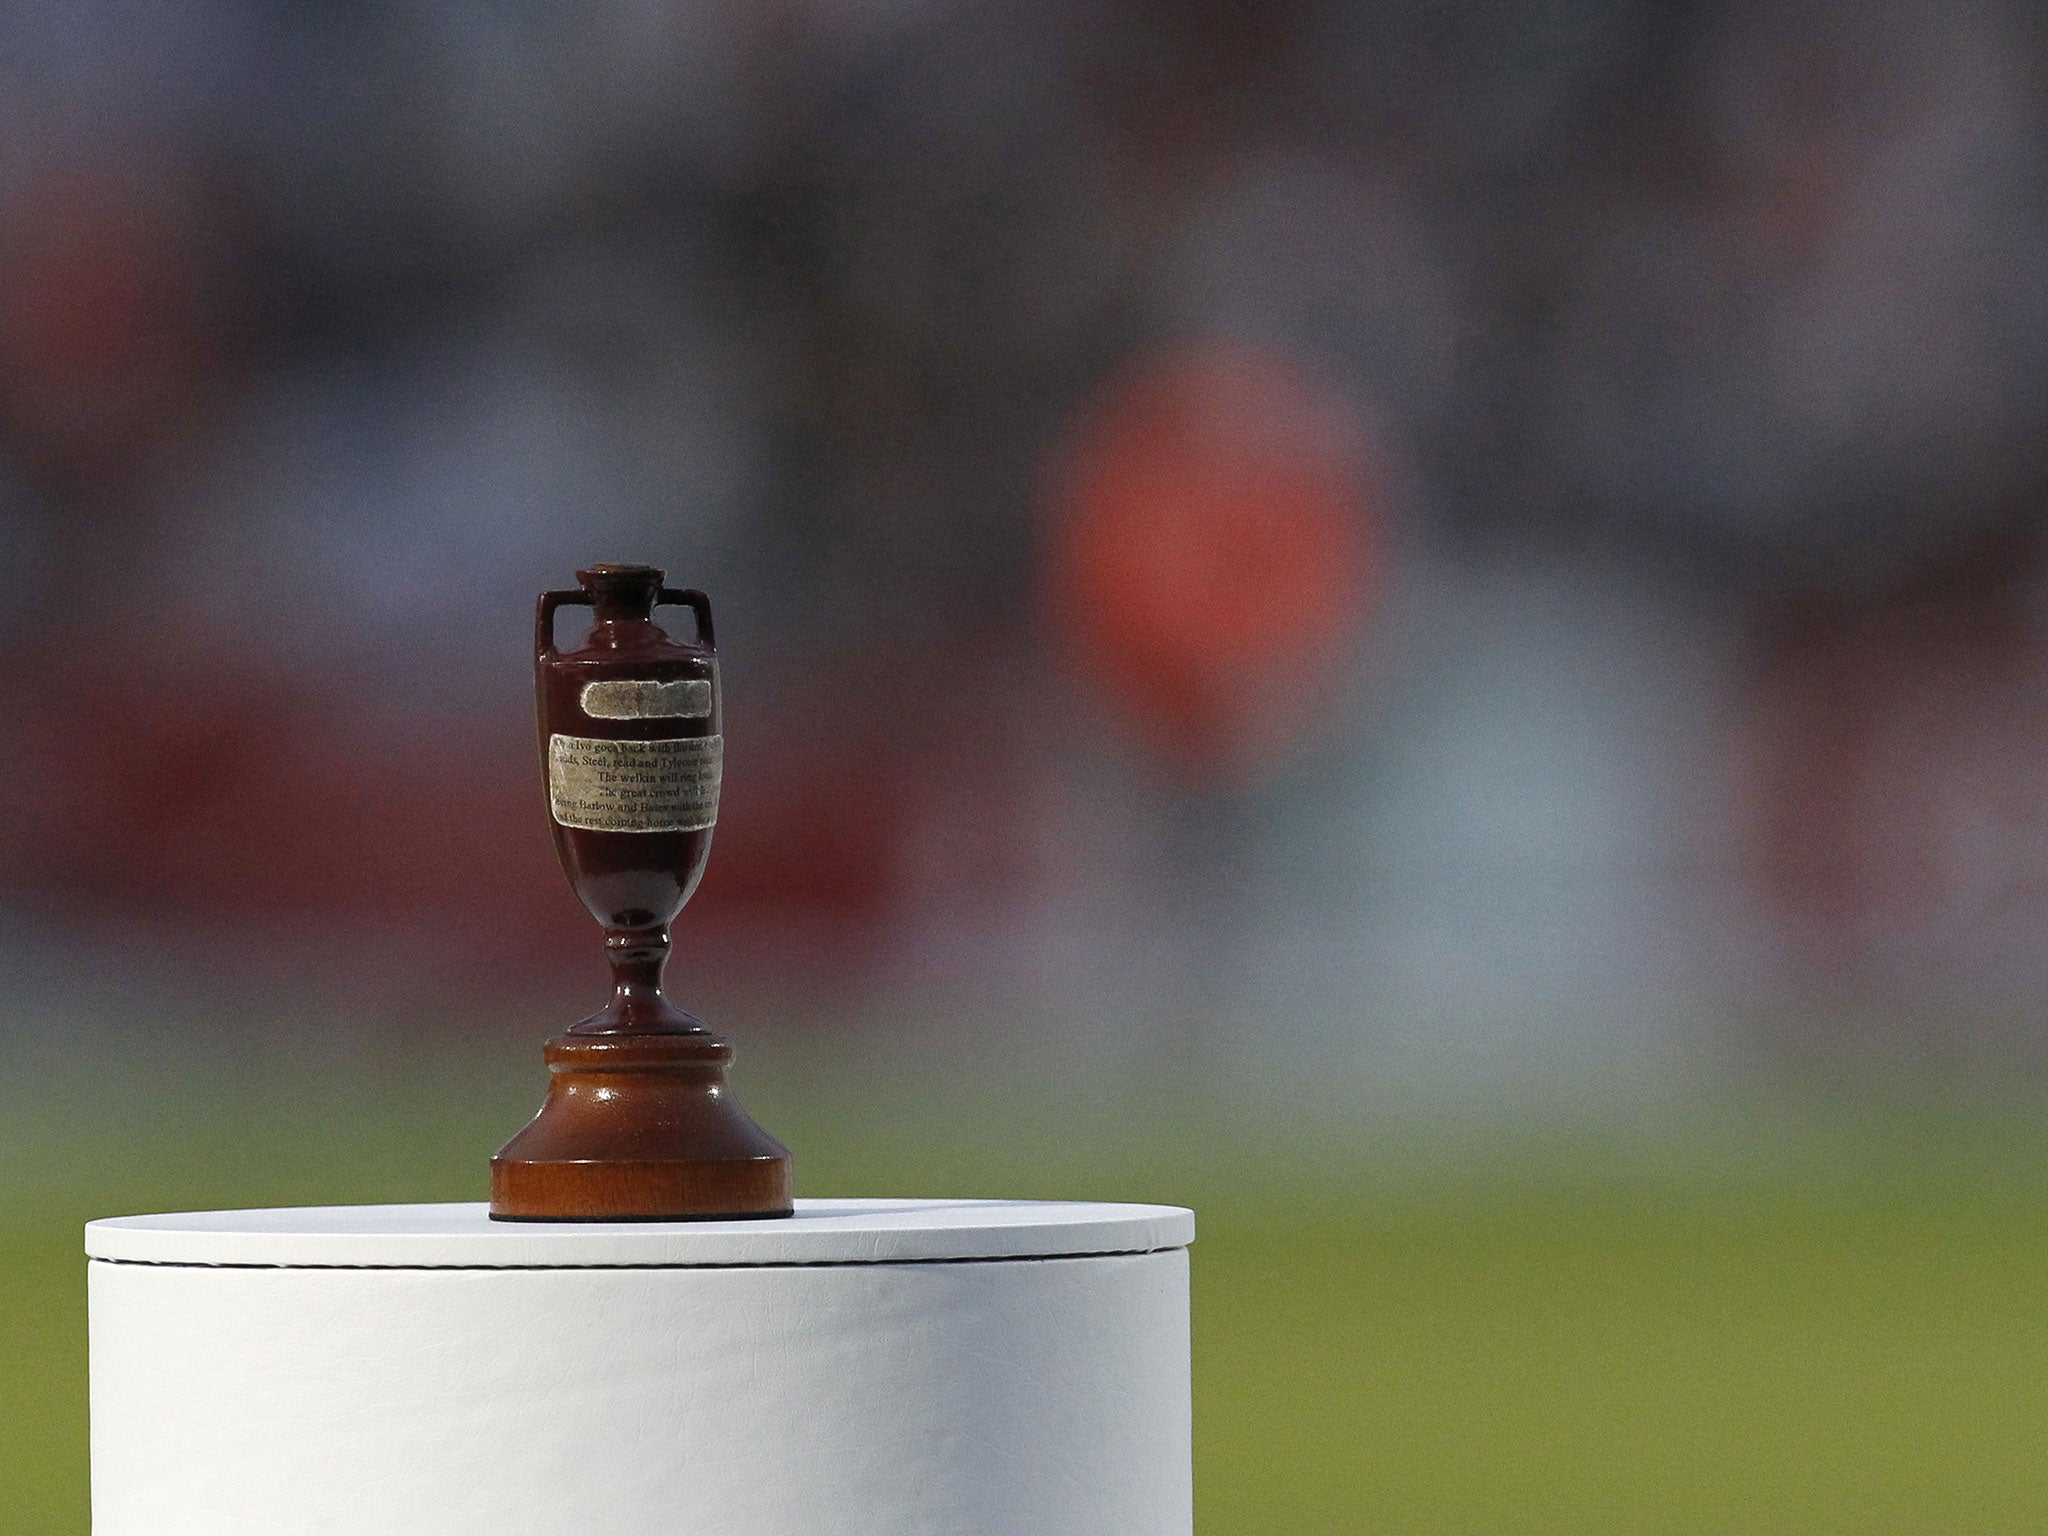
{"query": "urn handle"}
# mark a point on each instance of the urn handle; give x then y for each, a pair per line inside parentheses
(544, 617)
(697, 603)
(681, 597)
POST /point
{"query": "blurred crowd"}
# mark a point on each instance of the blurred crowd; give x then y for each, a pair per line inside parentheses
(1406, 533)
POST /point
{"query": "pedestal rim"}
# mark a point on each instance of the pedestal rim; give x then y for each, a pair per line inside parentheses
(462, 1236)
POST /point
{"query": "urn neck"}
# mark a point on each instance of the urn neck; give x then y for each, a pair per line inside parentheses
(622, 594)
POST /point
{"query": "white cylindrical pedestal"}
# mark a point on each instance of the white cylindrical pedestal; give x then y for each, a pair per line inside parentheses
(865, 1368)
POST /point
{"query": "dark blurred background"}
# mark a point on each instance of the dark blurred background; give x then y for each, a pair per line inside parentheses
(1439, 576)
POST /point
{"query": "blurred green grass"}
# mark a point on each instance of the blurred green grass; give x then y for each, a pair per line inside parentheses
(1790, 1323)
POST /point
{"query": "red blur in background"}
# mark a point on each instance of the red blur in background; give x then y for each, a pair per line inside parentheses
(1217, 544)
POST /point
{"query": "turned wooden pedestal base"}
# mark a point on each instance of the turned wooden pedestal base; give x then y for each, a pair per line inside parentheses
(639, 1127)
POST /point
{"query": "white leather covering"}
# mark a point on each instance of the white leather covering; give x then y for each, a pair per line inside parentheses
(1028, 1396)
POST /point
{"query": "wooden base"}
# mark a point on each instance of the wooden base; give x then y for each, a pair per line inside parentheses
(640, 1127)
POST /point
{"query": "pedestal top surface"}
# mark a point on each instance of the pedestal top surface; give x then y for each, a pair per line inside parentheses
(464, 1236)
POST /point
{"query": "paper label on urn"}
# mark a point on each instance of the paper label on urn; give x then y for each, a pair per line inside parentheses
(635, 786)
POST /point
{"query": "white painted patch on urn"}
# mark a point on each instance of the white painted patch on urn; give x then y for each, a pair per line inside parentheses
(686, 698)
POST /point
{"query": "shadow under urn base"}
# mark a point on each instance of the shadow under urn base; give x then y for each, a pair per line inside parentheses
(640, 1126)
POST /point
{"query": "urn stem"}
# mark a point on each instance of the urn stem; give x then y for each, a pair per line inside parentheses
(638, 956)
